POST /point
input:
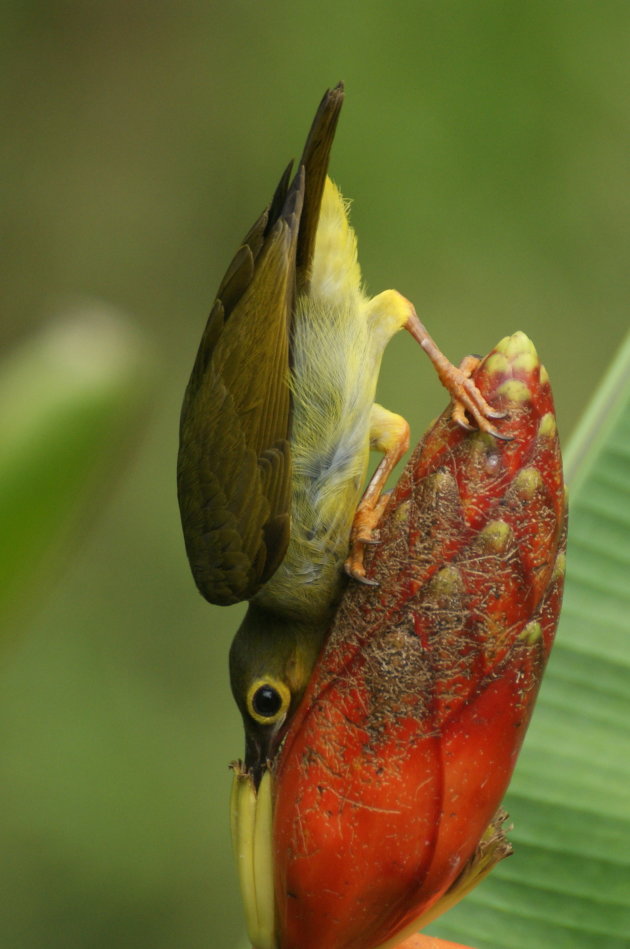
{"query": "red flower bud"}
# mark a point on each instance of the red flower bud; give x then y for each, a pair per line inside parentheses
(404, 744)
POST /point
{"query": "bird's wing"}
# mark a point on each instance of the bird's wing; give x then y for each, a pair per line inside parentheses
(233, 468)
(234, 465)
(314, 160)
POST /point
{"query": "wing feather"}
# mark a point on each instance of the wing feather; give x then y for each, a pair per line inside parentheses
(234, 464)
(236, 416)
(315, 158)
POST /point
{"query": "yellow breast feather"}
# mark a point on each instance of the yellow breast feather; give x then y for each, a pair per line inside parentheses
(337, 356)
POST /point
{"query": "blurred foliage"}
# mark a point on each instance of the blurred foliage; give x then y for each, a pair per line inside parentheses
(485, 147)
(68, 400)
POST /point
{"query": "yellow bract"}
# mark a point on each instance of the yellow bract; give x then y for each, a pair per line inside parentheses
(496, 534)
(527, 482)
(519, 349)
(531, 633)
(547, 427)
(251, 824)
(515, 391)
(497, 362)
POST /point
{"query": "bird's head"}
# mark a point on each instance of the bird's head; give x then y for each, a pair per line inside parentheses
(271, 660)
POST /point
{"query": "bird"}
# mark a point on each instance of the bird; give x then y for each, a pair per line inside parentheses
(276, 426)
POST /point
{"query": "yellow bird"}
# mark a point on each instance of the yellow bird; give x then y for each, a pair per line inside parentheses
(276, 427)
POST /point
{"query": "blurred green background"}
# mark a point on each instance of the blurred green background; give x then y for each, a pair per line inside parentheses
(486, 149)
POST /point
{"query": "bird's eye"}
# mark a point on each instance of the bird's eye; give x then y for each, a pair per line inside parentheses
(268, 701)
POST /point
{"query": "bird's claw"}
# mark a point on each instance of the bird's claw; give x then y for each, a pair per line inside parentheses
(364, 534)
(355, 570)
(371, 540)
(458, 415)
(468, 400)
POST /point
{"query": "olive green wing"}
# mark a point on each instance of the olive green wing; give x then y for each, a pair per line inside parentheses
(234, 467)
(314, 160)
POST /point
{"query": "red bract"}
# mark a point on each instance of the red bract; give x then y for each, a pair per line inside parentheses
(406, 739)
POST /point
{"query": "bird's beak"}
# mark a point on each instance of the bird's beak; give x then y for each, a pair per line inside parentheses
(256, 757)
(251, 825)
(261, 748)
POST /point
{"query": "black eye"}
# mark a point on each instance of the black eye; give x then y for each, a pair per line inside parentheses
(266, 701)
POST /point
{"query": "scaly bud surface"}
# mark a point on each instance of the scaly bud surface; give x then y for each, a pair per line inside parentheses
(404, 744)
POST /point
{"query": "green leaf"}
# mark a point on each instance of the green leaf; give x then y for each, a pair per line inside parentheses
(568, 884)
(68, 396)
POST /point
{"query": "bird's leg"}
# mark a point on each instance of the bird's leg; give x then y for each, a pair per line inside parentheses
(389, 433)
(458, 414)
(389, 311)
(463, 391)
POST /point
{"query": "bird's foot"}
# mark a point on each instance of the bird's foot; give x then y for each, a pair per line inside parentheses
(362, 535)
(467, 399)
